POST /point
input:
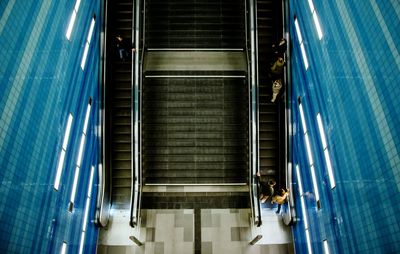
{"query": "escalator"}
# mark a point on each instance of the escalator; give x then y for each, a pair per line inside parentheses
(120, 91)
(269, 32)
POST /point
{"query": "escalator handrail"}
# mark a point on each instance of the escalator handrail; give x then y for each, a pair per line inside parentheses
(103, 203)
(254, 110)
(136, 173)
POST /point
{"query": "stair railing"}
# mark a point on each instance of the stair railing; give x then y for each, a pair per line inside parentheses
(136, 162)
(290, 213)
(103, 204)
(252, 53)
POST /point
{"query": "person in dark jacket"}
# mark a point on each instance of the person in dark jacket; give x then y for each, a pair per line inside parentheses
(279, 48)
(123, 47)
(266, 188)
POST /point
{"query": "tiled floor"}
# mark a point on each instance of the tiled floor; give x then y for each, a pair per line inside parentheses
(171, 231)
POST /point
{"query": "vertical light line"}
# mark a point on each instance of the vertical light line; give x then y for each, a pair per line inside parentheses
(309, 154)
(308, 241)
(315, 18)
(88, 40)
(63, 248)
(72, 19)
(302, 203)
(326, 247)
(301, 44)
(60, 165)
(326, 151)
(79, 158)
(86, 214)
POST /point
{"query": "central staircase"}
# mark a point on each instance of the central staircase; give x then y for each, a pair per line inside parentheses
(195, 104)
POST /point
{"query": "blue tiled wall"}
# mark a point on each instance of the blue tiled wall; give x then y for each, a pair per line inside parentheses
(353, 81)
(41, 83)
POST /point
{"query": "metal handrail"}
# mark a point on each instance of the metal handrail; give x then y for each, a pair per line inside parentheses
(290, 216)
(254, 110)
(136, 179)
(103, 203)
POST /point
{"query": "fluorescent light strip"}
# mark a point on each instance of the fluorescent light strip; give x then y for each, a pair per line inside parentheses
(71, 25)
(315, 18)
(84, 57)
(73, 192)
(60, 165)
(77, 4)
(303, 119)
(81, 243)
(303, 51)
(85, 125)
(329, 168)
(88, 199)
(87, 206)
(308, 146)
(308, 241)
(72, 19)
(326, 247)
(315, 185)
(309, 154)
(67, 131)
(63, 248)
(304, 55)
(302, 202)
(296, 24)
(59, 170)
(88, 39)
(317, 25)
(310, 3)
(79, 158)
(326, 151)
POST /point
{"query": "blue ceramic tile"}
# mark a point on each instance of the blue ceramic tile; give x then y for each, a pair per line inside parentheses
(352, 82)
(41, 83)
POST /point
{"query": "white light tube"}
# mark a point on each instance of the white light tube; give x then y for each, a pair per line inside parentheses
(67, 131)
(317, 25)
(91, 30)
(88, 200)
(302, 203)
(326, 247)
(59, 170)
(77, 4)
(308, 241)
(296, 24)
(86, 214)
(86, 118)
(89, 37)
(329, 168)
(326, 151)
(308, 146)
(321, 131)
(73, 192)
(91, 183)
(63, 248)
(85, 53)
(81, 243)
(303, 119)
(310, 3)
(63, 151)
(87, 206)
(303, 53)
(71, 25)
(299, 180)
(315, 185)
